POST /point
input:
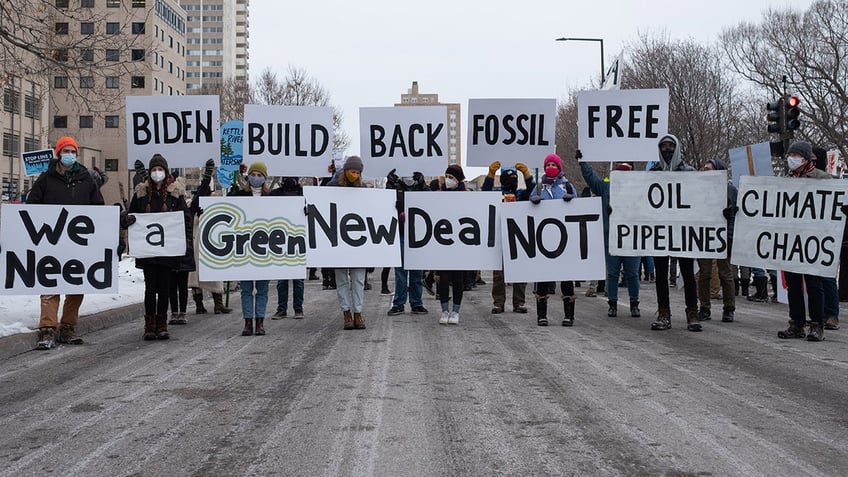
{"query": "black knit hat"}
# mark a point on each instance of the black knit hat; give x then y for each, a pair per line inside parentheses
(456, 171)
(353, 163)
(158, 160)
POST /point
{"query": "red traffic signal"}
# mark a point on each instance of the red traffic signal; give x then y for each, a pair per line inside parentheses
(792, 111)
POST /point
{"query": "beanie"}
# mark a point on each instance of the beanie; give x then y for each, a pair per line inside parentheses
(353, 163)
(259, 167)
(65, 141)
(456, 171)
(158, 160)
(623, 166)
(802, 148)
(820, 158)
(555, 159)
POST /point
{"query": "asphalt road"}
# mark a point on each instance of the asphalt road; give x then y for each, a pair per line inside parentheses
(496, 395)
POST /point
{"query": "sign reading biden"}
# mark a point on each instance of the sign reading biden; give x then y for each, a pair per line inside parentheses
(510, 130)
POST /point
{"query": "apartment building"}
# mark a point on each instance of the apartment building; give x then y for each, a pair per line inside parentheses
(217, 41)
(413, 97)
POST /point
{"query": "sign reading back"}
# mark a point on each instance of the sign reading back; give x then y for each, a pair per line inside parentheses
(408, 139)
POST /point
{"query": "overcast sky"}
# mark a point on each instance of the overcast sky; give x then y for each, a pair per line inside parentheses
(367, 53)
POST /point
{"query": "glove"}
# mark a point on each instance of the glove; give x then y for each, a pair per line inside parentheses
(535, 199)
(140, 170)
(567, 197)
(493, 167)
(243, 168)
(392, 179)
(730, 212)
(208, 169)
(130, 219)
(522, 168)
(332, 167)
(578, 155)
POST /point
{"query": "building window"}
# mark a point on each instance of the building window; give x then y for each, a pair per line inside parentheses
(137, 54)
(87, 54)
(111, 122)
(113, 3)
(170, 91)
(31, 107)
(170, 67)
(87, 28)
(60, 122)
(113, 55)
(111, 165)
(113, 28)
(62, 3)
(62, 28)
(86, 122)
(137, 82)
(11, 100)
(60, 82)
(86, 82)
(139, 3)
(31, 144)
(138, 28)
(11, 144)
(170, 41)
(87, 3)
(113, 82)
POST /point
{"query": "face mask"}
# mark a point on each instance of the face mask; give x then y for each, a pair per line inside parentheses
(794, 162)
(256, 181)
(351, 177)
(450, 183)
(667, 155)
(157, 176)
(408, 181)
(290, 184)
(68, 159)
(551, 171)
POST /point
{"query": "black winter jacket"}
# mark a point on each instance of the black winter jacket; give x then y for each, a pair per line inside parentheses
(74, 187)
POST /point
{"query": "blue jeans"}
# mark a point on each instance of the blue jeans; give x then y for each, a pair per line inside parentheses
(283, 295)
(631, 274)
(413, 288)
(649, 264)
(249, 307)
(831, 297)
(350, 288)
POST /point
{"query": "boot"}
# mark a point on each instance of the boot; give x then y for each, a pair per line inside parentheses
(760, 294)
(542, 312)
(793, 332)
(568, 309)
(613, 308)
(68, 335)
(162, 327)
(358, 323)
(634, 309)
(663, 321)
(149, 327)
(248, 327)
(773, 290)
(816, 332)
(199, 309)
(348, 320)
(178, 319)
(46, 338)
(218, 298)
(260, 327)
(692, 322)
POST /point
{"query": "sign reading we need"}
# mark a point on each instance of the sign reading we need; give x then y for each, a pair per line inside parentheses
(183, 129)
(58, 249)
(407, 139)
(625, 124)
(510, 130)
(291, 140)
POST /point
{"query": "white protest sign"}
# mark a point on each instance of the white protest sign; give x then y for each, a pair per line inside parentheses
(160, 234)
(251, 238)
(621, 125)
(612, 79)
(291, 140)
(36, 162)
(789, 224)
(511, 130)
(553, 240)
(675, 214)
(751, 160)
(352, 227)
(452, 231)
(58, 249)
(183, 129)
(408, 139)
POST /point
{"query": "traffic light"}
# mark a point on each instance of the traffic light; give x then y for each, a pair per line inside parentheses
(775, 116)
(792, 111)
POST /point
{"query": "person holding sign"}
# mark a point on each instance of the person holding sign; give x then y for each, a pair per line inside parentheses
(554, 185)
(453, 279)
(155, 195)
(672, 160)
(66, 182)
(510, 193)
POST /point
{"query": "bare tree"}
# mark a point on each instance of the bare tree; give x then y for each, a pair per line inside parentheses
(297, 88)
(810, 48)
(233, 94)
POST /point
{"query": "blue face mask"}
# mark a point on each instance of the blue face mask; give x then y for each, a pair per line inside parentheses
(68, 159)
(256, 181)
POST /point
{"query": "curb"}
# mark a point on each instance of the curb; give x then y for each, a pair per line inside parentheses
(20, 343)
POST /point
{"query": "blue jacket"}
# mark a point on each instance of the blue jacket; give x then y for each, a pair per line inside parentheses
(600, 188)
(557, 190)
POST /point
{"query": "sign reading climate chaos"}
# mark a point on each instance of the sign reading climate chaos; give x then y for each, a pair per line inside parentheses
(668, 213)
(790, 224)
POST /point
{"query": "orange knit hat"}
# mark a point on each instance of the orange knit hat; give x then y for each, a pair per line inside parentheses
(65, 141)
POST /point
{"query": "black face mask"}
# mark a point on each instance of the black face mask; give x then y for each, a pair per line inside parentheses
(667, 155)
(290, 183)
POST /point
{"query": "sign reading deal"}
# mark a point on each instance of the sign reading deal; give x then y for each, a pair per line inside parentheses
(624, 124)
(184, 129)
(789, 224)
(58, 249)
(676, 214)
(510, 130)
(251, 238)
(291, 140)
(160, 234)
(408, 139)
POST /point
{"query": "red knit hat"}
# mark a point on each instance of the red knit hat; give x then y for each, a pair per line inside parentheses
(555, 159)
(623, 166)
(65, 141)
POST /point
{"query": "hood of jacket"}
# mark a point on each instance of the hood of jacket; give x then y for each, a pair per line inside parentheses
(676, 159)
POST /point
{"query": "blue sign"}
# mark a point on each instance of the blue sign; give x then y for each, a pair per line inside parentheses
(232, 134)
(36, 162)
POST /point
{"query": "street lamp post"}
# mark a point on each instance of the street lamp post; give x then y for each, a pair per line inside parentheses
(599, 40)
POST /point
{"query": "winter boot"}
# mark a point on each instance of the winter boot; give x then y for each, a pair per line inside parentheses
(727, 316)
(634, 309)
(218, 298)
(46, 339)
(149, 327)
(704, 314)
(816, 332)
(692, 322)
(831, 323)
(162, 327)
(348, 320)
(793, 332)
(613, 308)
(663, 321)
(260, 327)
(68, 335)
(248, 327)
(358, 323)
(178, 319)
(568, 311)
(199, 309)
(761, 293)
(542, 311)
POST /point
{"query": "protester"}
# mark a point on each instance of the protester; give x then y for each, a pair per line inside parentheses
(554, 185)
(66, 182)
(289, 187)
(408, 283)
(451, 279)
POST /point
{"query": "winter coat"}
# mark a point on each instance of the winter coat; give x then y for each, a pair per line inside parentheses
(171, 199)
(520, 194)
(74, 187)
(732, 194)
(556, 190)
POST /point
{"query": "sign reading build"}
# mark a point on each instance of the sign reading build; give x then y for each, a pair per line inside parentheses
(510, 130)
(291, 140)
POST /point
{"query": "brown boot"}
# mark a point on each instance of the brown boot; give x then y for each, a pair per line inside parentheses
(358, 324)
(68, 335)
(663, 321)
(260, 327)
(348, 320)
(162, 327)
(218, 298)
(149, 327)
(248, 327)
(692, 321)
(199, 309)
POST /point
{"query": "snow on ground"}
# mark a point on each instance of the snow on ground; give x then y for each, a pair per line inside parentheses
(20, 313)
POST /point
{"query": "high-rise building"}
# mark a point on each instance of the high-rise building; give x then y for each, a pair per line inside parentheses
(415, 98)
(217, 37)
